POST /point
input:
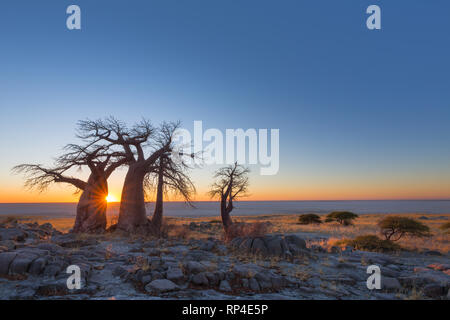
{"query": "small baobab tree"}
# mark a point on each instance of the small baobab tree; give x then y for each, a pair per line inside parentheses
(231, 183)
(134, 141)
(91, 207)
(169, 176)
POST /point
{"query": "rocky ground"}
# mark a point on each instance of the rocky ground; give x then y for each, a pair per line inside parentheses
(34, 259)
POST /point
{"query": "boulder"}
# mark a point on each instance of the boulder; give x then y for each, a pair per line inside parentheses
(37, 266)
(389, 283)
(194, 267)
(248, 270)
(175, 274)
(146, 279)
(271, 245)
(246, 244)
(224, 286)
(161, 286)
(220, 275)
(253, 285)
(119, 271)
(295, 240)
(208, 245)
(264, 280)
(6, 258)
(274, 246)
(200, 279)
(259, 247)
(15, 234)
(434, 290)
(277, 281)
(21, 263)
(53, 269)
(213, 278)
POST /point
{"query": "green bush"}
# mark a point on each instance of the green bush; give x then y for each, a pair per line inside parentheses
(309, 218)
(370, 243)
(445, 227)
(395, 227)
(343, 217)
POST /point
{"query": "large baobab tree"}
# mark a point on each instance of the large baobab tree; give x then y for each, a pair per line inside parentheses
(231, 183)
(132, 213)
(91, 208)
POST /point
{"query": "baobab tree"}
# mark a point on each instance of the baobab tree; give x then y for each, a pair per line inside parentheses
(231, 183)
(159, 141)
(169, 176)
(91, 207)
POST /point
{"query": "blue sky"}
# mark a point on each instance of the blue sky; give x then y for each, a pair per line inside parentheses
(361, 110)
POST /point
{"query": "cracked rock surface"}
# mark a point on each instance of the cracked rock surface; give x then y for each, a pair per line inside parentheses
(34, 259)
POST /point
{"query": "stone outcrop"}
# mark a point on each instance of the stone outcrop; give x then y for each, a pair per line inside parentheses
(272, 245)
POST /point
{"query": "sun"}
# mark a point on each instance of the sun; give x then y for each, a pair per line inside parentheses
(111, 198)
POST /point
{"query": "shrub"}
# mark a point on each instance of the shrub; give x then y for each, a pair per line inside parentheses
(370, 243)
(309, 218)
(343, 217)
(445, 227)
(241, 229)
(395, 227)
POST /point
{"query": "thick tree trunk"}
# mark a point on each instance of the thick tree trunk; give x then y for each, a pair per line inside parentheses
(91, 208)
(225, 213)
(132, 213)
(158, 213)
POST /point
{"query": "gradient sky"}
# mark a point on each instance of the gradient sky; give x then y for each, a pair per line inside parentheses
(362, 114)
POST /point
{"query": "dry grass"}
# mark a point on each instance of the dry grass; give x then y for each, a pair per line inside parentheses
(179, 231)
(364, 224)
(62, 224)
(242, 229)
(367, 224)
(7, 220)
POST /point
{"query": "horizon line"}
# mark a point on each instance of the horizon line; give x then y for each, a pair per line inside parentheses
(180, 201)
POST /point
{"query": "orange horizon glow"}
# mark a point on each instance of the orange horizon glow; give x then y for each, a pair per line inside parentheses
(111, 198)
(264, 189)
